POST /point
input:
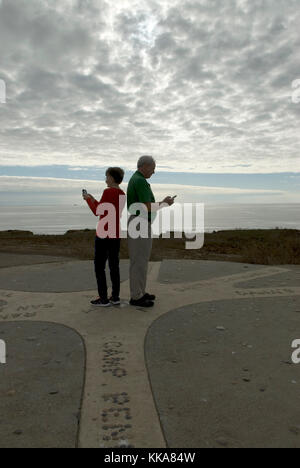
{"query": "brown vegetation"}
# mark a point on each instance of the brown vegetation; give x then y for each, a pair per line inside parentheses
(268, 247)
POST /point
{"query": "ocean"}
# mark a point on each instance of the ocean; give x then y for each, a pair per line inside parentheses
(57, 219)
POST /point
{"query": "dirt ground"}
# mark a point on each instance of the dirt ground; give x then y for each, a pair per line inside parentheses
(265, 247)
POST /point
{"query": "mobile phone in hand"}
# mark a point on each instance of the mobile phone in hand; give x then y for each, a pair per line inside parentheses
(84, 192)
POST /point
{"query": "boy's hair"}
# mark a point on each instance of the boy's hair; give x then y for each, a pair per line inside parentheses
(116, 173)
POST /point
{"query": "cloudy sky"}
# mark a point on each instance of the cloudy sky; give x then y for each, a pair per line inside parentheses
(208, 87)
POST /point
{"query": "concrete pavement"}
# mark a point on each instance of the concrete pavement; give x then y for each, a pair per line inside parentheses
(133, 394)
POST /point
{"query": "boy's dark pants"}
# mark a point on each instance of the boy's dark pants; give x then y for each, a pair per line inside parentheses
(107, 249)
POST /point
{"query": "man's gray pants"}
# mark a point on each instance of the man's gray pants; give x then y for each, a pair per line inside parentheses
(139, 254)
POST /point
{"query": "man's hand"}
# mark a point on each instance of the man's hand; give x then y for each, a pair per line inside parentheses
(169, 201)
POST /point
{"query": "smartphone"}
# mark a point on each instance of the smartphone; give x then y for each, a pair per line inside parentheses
(84, 192)
(175, 196)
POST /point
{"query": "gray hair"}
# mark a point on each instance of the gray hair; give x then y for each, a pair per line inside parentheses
(145, 161)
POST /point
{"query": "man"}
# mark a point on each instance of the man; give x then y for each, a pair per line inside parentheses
(139, 191)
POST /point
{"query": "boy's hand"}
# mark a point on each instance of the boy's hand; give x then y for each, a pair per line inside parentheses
(87, 196)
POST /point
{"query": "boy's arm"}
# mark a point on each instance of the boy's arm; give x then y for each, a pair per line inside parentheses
(93, 204)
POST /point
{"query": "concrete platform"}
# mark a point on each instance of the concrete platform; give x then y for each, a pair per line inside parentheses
(231, 388)
(56, 276)
(290, 278)
(185, 271)
(204, 312)
(42, 385)
(11, 259)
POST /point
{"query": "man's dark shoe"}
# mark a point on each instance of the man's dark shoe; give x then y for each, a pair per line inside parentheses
(149, 297)
(100, 303)
(141, 302)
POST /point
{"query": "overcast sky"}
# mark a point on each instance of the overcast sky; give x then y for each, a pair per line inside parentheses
(205, 86)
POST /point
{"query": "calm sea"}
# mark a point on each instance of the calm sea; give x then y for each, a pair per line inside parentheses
(59, 219)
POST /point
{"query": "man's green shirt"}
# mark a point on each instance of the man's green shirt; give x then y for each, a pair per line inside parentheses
(139, 191)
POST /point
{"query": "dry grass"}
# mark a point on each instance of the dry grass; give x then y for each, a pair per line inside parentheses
(268, 247)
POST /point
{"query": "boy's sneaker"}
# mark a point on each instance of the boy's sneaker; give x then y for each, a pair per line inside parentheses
(100, 303)
(114, 300)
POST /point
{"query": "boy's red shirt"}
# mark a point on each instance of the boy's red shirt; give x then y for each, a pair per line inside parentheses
(110, 195)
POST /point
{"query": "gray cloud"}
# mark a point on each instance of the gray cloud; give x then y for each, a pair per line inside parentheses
(198, 82)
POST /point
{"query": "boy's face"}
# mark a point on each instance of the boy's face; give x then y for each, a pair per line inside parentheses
(109, 180)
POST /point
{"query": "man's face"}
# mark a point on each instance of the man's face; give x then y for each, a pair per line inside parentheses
(149, 170)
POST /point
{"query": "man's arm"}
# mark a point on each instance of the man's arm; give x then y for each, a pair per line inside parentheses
(144, 195)
(154, 207)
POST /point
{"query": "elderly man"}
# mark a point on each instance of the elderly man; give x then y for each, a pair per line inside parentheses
(139, 191)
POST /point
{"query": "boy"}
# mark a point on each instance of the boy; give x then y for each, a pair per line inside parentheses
(108, 247)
